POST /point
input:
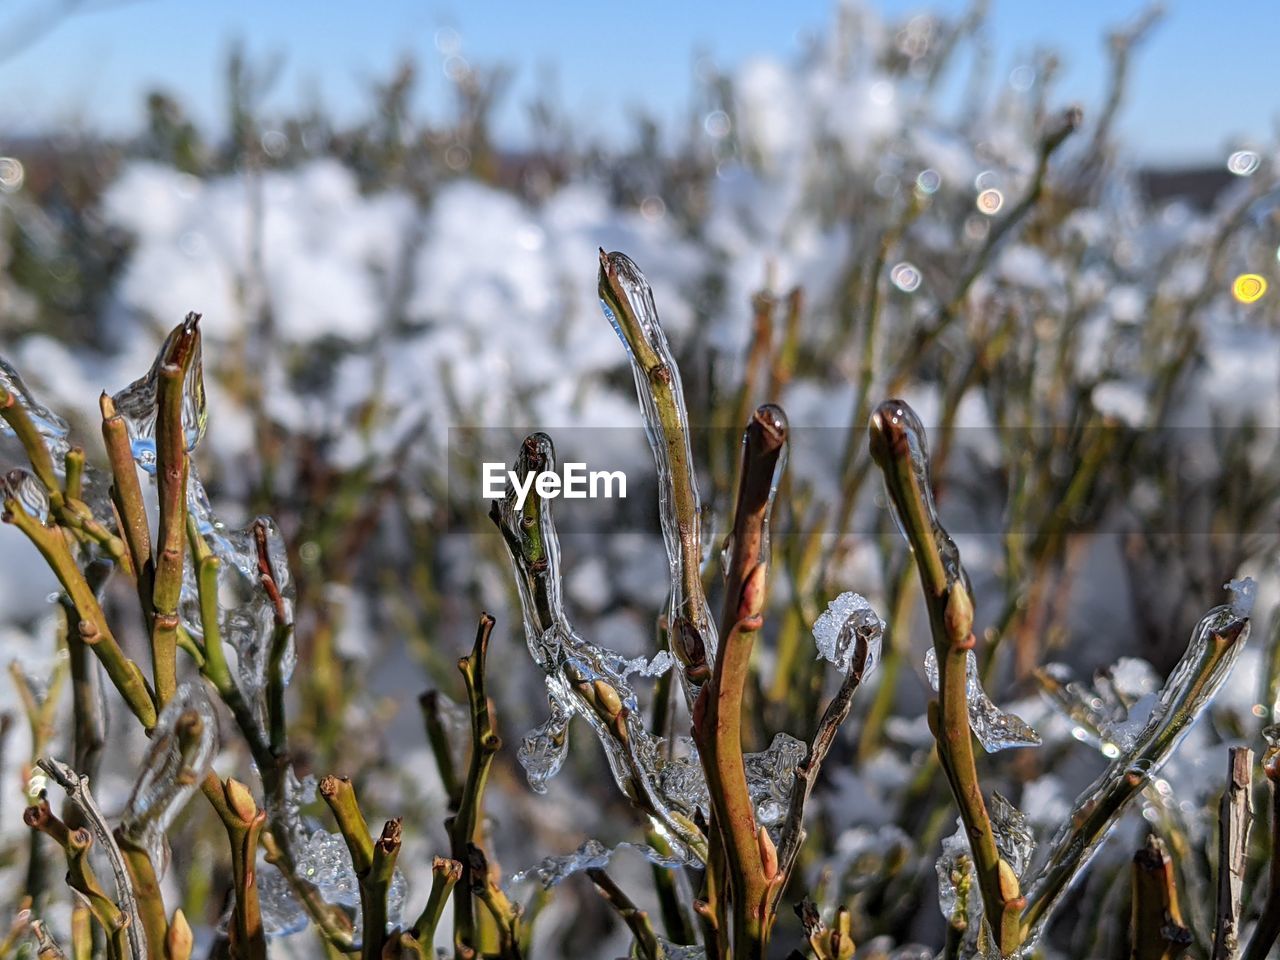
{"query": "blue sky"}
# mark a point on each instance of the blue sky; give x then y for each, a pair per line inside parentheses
(1207, 79)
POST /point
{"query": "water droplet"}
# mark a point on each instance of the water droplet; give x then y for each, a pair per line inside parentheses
(717, 124)
(990, 201)
(1022, 77)
(905, 276)
(1244, 163)
(1249, 287)
(12, 174)
(928, 182)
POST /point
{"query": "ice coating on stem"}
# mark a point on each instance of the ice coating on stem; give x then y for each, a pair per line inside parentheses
(1212, 651)
(184, 744)
(771, 775)
(1110, 713)
(894, 423)
(137, 403)
(1012, 832)
(995, 729)
(550, 871)
(666, 419)
(591, 855)
(52, 428)
(282, 915)
(581, 678)
(677, 951)
(837, 629)
(30, 494)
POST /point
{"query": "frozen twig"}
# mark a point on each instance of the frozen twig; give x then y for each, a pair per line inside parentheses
(1268, 928)
(81, 877)
(637, 921)
(93, 629)
(1157, 929)
(628, 300)
(837, 711)
(77, 789)
(1235, 817)
(750, 857)
(244, 822)
(445, 875)
(466, 824)
(898, 446)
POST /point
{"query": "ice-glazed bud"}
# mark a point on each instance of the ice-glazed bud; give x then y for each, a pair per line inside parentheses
(137, 403)
(51, 427)
(848, 624)
(29, 493)
(901, 451)
(995, 729)
(183, 746)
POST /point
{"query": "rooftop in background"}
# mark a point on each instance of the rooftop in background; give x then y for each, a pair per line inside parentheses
(1201, 85)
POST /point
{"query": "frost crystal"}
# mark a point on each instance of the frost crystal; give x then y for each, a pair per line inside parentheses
(995, 729)
(676, 951)
(183, 746)
(836, 631)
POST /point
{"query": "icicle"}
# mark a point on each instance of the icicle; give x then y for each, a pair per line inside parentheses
(543, 750)
(183, 746)
(995, 729)
(52, 428)
(29, 492)
(652, 360)
(1214, 647)
(838, 627)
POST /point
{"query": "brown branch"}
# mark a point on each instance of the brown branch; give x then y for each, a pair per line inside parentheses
(1157, 928)
(1235, 817)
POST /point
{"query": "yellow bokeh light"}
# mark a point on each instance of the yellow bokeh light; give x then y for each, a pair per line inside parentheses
(1249, 287)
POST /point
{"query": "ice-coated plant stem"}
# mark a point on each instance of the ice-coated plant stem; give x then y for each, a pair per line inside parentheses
(1215, 644)
(374, 861)
(243, 821)
(628, 302)
(837, 711)
(1268, 928)
(172, 468)
(637, 921)
(1235, 817)
(445, 875)
(899, 448)
(126, 494)
(1157, 929)
(123, 672)
(751, 861)
(81, 877)
(465, 825)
